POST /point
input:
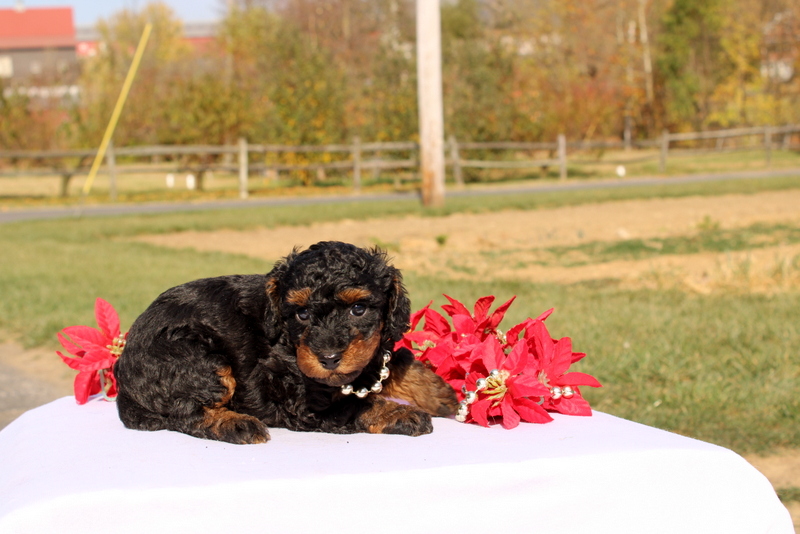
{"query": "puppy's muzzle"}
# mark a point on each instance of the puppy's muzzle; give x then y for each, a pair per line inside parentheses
(331, 361)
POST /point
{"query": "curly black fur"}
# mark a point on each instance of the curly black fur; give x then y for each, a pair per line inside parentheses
(224, 358)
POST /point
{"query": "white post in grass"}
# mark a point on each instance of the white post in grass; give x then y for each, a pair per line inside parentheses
(429, 95)
(244, 170)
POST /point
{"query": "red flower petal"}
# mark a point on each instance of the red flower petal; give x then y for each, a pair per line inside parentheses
(512, 336)
(463, 324)
(71, 347)
(436, 355)
(482, 307)
(81, 335)
(562, 357)
(575, 405)
(489, 353)
(107, 318)
(517, 359)
(578, 356)
(417, 315)
(86, 384)
(74, 362)
(531, 412)
(526, 386)
(479, 411)
(499, 313)
(436, 323)
(510, 416)
(578, 379)
(455, 307)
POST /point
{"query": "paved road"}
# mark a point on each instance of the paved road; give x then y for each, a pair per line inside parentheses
(12, 215)
(20, 392)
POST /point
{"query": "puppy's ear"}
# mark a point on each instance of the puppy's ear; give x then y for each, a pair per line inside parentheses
(398, 316)
(273, 322)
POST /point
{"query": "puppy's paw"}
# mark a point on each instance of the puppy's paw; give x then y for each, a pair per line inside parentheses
(224, 425)
(386, 417)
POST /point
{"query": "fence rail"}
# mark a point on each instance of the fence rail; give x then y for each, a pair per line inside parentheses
(357, 157)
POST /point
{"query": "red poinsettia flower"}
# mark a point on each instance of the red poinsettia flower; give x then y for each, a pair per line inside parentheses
(478, 323)
(507, 393)
(499, 377)
(93, 353)
(554, 358)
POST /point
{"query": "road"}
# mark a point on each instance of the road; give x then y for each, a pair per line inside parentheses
(14, 215)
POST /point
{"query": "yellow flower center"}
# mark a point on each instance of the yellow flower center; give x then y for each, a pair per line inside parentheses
(542, 377)
(117, 346)
(496, 386)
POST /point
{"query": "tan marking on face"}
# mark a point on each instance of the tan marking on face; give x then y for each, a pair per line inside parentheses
(353, 295)
(309, 364)
(357, 355)
(299, 297)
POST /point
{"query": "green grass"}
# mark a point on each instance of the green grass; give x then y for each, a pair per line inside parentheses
(791, 494)
(722, 368)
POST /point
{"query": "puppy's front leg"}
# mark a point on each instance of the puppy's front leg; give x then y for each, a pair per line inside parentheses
(387, 417)
(413, 382)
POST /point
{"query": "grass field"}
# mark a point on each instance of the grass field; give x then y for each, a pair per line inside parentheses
(720, 367)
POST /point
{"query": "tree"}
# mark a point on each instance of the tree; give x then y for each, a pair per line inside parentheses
(155, 84)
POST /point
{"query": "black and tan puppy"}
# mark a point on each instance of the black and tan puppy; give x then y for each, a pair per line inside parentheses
(225, 358)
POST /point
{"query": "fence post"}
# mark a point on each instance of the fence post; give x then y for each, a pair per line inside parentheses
(626, 134)
(243, 167)
(111, 161)
(458, 176)
(768, 144)
(562, 157)
(357, 164)
(662, 161)
(65, 178)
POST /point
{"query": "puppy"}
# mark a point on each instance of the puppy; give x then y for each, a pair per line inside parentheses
(306, 347)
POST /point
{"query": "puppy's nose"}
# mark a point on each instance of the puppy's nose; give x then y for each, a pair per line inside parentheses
(331, 361)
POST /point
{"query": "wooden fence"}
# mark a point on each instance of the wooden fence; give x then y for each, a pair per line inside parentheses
(244, 159)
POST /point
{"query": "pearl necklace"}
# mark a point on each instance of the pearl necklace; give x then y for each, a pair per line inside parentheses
(480, 384)
(377, 387)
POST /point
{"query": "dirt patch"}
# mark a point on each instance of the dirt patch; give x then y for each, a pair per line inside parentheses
(508, 245)
(783, 471)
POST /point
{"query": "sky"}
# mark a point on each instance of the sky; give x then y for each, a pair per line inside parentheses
(86, 12)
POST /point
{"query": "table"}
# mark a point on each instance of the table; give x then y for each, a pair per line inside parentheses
(69, 468)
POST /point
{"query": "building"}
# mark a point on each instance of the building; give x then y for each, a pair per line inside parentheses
(37, 45)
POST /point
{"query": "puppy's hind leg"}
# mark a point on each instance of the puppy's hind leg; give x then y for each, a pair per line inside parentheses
(206, 418)
(222, 424)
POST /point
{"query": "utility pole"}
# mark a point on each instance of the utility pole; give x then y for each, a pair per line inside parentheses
(648, 64)
(429, 96)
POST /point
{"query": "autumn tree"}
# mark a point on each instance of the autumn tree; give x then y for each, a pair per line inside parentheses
(156, 84)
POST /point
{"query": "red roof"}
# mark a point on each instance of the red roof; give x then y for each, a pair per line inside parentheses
(30, 27)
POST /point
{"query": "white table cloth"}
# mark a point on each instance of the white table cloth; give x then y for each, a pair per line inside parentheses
(68, 468)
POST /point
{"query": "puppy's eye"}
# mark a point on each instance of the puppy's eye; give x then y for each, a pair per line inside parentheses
(302, 314)
(358, 310)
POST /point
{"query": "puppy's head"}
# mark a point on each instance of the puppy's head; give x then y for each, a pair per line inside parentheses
(338, 305)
